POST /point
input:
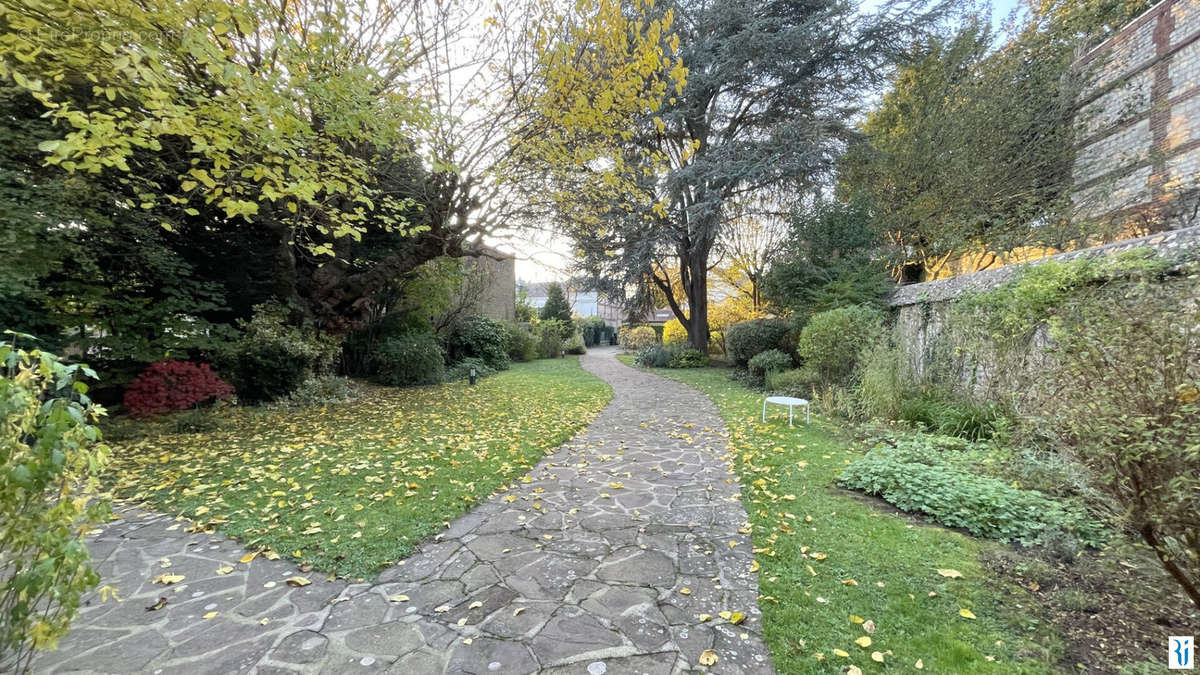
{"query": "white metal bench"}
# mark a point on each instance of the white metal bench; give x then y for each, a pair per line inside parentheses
(791, 403)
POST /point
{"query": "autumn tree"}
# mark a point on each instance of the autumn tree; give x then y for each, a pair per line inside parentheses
(752, 239)
(769, 95)
(317, 153)
(972, 147)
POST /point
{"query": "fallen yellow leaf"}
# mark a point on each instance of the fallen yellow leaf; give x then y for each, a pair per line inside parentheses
(953, 574)
(210, 615)
(297, 581)
(708, 657)
(918, 665)
(877, 657)
(249, 556)
(966, 614)
(863, 642)
(399, 598)
(167, 579)
(842, 653)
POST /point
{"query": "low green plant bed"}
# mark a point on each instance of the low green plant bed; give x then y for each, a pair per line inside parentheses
(918, 478)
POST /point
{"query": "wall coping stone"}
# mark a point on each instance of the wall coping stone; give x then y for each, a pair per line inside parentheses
(1163, 243)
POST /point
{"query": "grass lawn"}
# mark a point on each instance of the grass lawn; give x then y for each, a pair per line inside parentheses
(350, 488)
(830, 561)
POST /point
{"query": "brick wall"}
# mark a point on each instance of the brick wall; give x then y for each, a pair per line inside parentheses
(1139, 119)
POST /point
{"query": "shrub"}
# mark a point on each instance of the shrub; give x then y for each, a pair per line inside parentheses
(674, 333)
(769, 361)
(797, 383)
(882, 383)
(951, 415)
(522, 344)
(970, 420)
(462, 370)
(273, 357)
(594, 331)
(574, 345)
(1125, 400)
(745, 340)
(416, 358)
(654, 356)
(50, 457)
(321, 390)
(918, 480)
(637, 338)
(167, 386)
(481, 338)
(551, 335)
(688, 358)
(832, 341)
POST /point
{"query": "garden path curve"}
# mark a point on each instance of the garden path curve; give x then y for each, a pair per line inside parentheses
(601, 561)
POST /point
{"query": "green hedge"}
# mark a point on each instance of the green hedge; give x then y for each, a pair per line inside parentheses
(745, 340)
(832, 341)
(409, 359)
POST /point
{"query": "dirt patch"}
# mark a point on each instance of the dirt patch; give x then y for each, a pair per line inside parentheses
(1112, 609)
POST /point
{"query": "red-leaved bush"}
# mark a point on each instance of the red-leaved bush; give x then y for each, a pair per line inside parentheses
(174, 385)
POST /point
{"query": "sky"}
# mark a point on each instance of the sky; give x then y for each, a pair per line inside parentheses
(542, 256)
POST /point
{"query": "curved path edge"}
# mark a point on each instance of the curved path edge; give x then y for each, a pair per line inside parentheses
(601, 560)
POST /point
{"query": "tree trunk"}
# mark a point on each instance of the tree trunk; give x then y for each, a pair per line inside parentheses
(697, 297)
(1150, 536)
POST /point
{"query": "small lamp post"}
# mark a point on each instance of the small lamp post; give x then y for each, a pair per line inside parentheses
(474, 376)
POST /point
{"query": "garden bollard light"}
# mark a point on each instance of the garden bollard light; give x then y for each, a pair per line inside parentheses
(474, 376)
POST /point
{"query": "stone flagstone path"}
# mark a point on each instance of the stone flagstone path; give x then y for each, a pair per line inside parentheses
(602, 561)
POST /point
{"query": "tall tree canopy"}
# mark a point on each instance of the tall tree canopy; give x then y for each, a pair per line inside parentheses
(317, 153)
(971, 149)
(770, 91)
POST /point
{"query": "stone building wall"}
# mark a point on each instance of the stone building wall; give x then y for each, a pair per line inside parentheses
(1139, 159)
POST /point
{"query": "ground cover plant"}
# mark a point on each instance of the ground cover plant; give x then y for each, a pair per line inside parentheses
(349, 488)
(829, 562)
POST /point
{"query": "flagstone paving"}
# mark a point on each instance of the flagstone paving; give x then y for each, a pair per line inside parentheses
(601, 561)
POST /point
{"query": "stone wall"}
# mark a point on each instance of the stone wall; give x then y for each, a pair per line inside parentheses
(1139, 119)
(925, 330)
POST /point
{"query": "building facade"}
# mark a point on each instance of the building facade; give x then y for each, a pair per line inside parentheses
(583, 303)
(492, 279)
